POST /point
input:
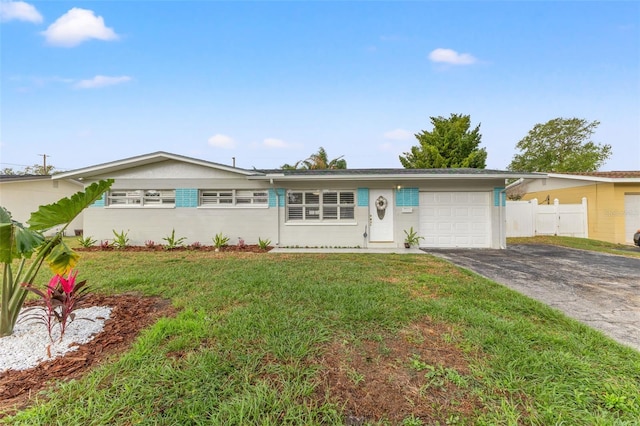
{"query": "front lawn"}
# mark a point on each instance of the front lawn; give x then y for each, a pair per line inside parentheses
(325, 339)
(579, 243)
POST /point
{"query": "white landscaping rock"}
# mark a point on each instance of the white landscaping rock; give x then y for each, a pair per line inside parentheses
(27, 346)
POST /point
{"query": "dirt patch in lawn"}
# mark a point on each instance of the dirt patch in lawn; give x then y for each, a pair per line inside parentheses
(414, 374)
(129, 315)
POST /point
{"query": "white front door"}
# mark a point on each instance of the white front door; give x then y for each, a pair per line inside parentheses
(381, 215)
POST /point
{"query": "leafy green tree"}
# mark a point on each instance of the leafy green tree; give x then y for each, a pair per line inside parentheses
(319, 160)
(36, 169)
(560, 145)
(451, 144)
(39, 169)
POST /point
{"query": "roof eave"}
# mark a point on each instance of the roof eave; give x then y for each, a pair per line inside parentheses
(395, 177)
(156, 157)
(594, 178)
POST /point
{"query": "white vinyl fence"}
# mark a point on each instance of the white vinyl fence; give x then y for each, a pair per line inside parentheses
(528, 219)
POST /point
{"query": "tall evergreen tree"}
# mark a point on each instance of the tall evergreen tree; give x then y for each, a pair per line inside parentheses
(451, 144)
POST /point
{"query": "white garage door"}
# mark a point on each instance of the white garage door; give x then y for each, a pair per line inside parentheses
(631, 216)
(455, 219)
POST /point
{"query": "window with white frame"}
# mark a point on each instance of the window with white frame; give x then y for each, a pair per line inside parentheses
(234, 197)
(142, 198)
(316, 205)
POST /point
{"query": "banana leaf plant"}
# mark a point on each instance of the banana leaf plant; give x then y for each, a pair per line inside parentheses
(19, 244)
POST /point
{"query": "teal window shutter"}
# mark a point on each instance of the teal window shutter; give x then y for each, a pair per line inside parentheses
(407, 197)
(186, 197)
(497, 202)
(363, 197)
(276, 195)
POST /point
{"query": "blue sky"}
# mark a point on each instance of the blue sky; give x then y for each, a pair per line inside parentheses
(270, 82)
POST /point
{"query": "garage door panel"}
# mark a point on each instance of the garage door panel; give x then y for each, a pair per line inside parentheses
(632, 216)
(430, 241)
(442, 198)
(461, 212)
(461, 227)
(477, 197)
(455, 219)
(444, 226)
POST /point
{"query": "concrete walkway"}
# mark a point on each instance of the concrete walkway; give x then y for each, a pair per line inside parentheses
(398, 250)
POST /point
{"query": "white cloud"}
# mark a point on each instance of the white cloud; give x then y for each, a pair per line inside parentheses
(19, 11)
(398, 135)
(387, 147)
(76, 26)
(274, 143)
(101, 81)
(452, 57)
(222, 141)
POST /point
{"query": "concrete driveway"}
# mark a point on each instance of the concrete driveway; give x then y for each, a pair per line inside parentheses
(600, 290)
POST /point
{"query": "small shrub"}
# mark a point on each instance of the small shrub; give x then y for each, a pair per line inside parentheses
(172, 241)
(264, 244)
(121, 239)
(62, 297)
(196, 246)
(105, 245)
(86, 242)
(220, 240)
(149, 244)
(241, 244)
(412, 238)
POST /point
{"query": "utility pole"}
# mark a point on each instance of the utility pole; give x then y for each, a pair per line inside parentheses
(44, 163)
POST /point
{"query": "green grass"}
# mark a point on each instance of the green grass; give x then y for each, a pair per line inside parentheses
(580, 243)
(252, 329)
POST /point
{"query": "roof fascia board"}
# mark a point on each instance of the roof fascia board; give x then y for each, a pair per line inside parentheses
(394, 177)
(595, 178)
(155, 157)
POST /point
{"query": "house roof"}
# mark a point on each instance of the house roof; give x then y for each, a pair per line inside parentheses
(297, 174)
(22, 178)
(141, 160)
(629, 176)
(391, 174)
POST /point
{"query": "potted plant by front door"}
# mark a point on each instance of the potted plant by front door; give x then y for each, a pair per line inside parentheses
(411, 238)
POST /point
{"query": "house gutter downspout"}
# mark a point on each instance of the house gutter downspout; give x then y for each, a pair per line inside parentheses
(277, 212)
(503, 218)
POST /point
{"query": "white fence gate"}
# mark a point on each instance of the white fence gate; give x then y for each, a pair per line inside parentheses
(528, 219)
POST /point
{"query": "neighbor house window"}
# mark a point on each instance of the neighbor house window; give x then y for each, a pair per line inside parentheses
(234, 197)
(319, 205)
(142, 198)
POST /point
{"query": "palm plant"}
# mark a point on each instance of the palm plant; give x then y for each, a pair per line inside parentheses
(318, 161)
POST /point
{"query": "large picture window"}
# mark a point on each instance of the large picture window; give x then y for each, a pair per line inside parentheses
(316, 205)
(142, 198)
(234, 197)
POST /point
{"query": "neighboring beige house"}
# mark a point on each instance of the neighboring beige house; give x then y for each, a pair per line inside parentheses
(613, 200)
(22, 195)
(156, 193)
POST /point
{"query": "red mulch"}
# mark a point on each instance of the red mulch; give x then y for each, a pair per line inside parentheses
(130, 313)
